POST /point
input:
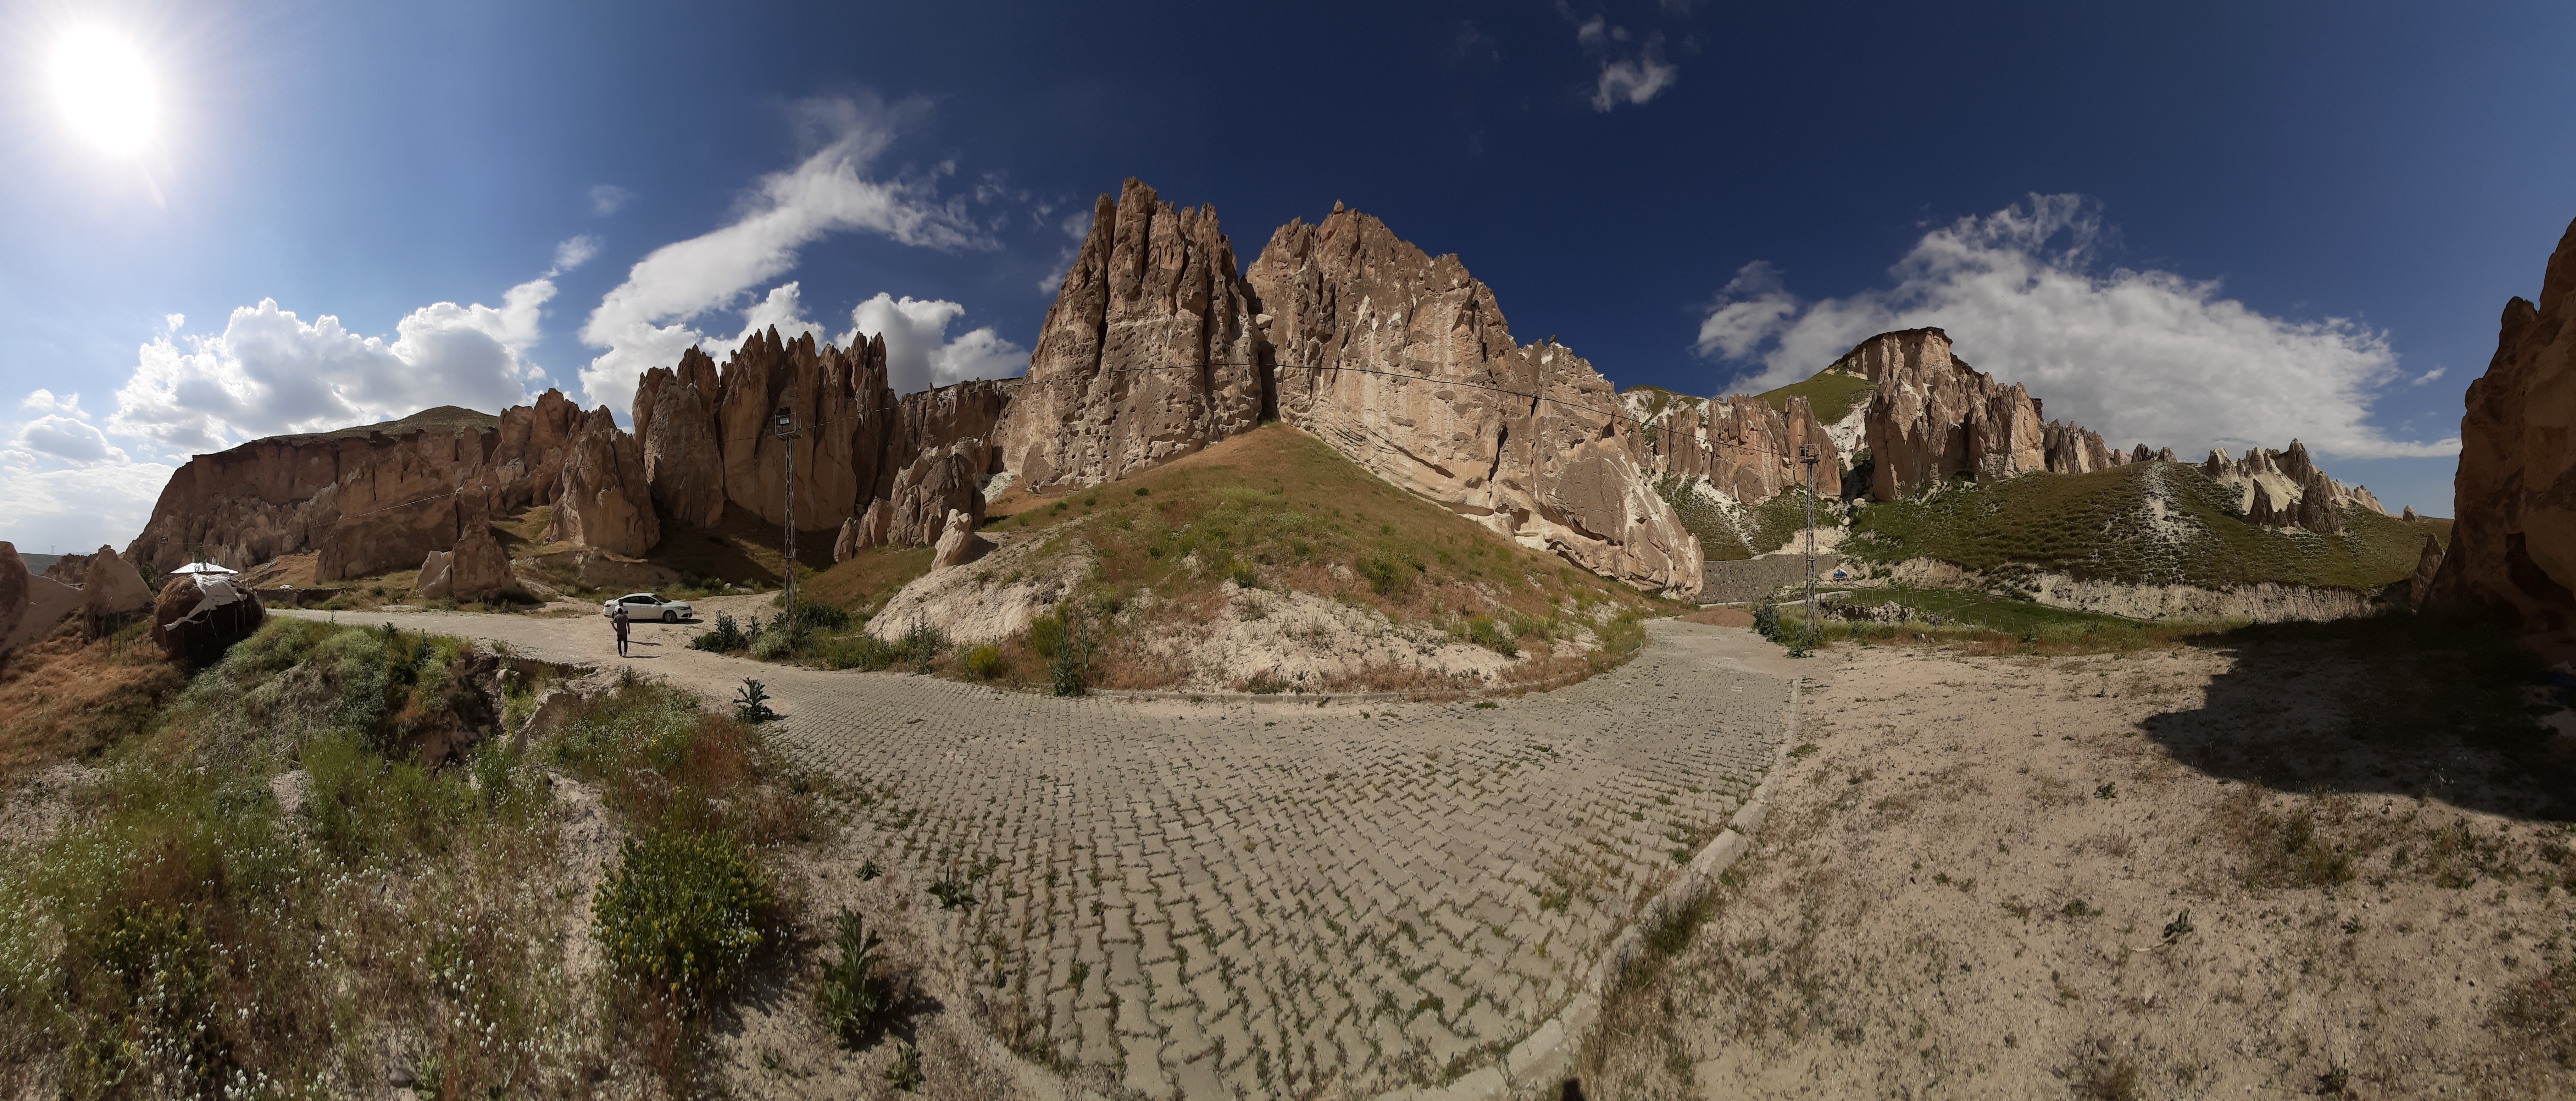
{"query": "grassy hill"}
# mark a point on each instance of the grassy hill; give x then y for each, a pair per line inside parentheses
(2148, 523)
(1730, 534)
(1831, 393)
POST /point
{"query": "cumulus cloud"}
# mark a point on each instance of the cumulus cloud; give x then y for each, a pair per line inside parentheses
(647, 320)
(574, 253)
(1632, 78)
(68, 439)
(2140, 356)
(271, 371)
(2428, 376)
(79, 508)
(607, 199)
(919, 354)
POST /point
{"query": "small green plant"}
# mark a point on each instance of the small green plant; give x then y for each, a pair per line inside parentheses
(1766, 620)
(984, 662)
(2179, 927)
(869, 870)
(853, 999)
(1804, 749)
(678, 914)
(1390, 574)
(905, 1072)
(953, 893)
(1142, 491)
(1483, 631)
(2107, 791)
(751, 703)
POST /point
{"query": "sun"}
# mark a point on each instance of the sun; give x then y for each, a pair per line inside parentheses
(105, 90)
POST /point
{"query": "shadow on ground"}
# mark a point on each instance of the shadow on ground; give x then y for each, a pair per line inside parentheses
(2405, 705)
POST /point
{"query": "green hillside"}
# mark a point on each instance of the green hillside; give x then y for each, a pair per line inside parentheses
(1727, 539)
(2148, 523)
(1831, 393)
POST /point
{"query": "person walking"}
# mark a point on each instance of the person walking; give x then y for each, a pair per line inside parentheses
(618, 618)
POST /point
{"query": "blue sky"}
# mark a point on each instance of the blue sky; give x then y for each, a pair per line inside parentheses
(2183, 224)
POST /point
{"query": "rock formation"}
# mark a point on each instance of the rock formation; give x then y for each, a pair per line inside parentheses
(866, 530)
(839, 406)
(1744, 447)
(2263, 513)
(2513, 534)
(2428, 567)
(1148, 353)
(958, 543)
(604, 501)
(2284, 477)
(927, 491)
(477, 569)
(942, 418)
(2319, 510)
(30, 604)
(197, 618)
(367, 499)
(676, 429)
(1404, 363)
(1934, 416)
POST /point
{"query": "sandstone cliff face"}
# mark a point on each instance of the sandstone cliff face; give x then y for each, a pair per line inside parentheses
(841, 407)
(369, 499)
(603, 501)
(2513, 537)
(939, 419)
(1403, 362)
(1934, 416)
(675, 423)
(477, 569)
(935, 485)
(1149, 352)
(1744, 447)
(2282, 478)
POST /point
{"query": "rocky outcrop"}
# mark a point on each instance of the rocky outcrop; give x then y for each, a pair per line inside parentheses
(197, 618)
(2319, 510)
(477, 569)
(940, 419)
(2513, 534)
(109, 586)
(840, 408)
(675, 426)
(604, 501)
(1404, 363)
(1148, 353)
(958, 543)
(863, 531)
(367, 499)
(30, 604)
(1933, 417)
(2263, 513)
(2428, 567)
(927, 491)
(1744, 447)
(2283, 477)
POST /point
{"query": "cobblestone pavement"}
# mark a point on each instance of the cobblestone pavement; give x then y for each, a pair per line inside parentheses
(1267, 897)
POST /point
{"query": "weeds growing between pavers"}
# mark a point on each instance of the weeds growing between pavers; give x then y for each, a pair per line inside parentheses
(273, 888)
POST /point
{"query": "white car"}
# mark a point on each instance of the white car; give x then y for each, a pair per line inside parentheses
(644, 606)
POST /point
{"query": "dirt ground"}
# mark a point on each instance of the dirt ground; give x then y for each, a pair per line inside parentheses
(2183, 873)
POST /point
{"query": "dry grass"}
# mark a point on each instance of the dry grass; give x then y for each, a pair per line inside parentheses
(69, 695)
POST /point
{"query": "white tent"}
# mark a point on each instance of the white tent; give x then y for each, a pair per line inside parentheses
(203, 568)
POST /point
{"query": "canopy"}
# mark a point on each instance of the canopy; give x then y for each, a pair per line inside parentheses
(203, 567)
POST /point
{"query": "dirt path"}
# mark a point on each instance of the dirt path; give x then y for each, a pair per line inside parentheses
(2027, 877)
(1263, 895)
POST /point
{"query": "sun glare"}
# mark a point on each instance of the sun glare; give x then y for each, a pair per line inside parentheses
(105, 90)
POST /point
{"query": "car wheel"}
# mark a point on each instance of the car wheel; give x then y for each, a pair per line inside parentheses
(670, 617)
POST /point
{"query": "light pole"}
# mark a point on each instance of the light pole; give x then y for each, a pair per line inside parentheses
(1807, 455)
(787, 433)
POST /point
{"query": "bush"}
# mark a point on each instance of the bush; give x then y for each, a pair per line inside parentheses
(1766, 620)
(853, 999)
(985, 662)
(1389, 573)
(772, 645)
(751, 703)
(1045, 635)
(679, 913)
(817, 616)
(727, 637)
(1483, 631)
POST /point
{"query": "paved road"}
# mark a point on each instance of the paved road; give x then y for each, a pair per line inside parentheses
(1255, 897)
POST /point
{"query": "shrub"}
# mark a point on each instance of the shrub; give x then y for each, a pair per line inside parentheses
(726, 638)
(1766, 620)
(853, 999)
(1483, 631)
(812, 615)
(678, 914)
(1389, 573)
(985, 662)
(751, 703)
(1045, 635)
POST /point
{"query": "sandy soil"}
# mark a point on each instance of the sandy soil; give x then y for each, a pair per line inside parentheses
(2028, 877)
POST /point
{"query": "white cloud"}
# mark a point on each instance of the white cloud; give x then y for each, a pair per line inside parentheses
(270, 371)
(44, 401)
(2140, 356)
(68, 439)
(1624, 78)
(574, 253)
(607, 199)
(919, 354)
(647, 320)
(2428, 376)
(78, 509)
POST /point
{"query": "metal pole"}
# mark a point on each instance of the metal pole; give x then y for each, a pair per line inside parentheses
(787, 434)
(1807, 455)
